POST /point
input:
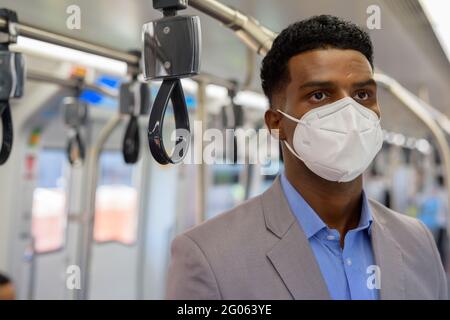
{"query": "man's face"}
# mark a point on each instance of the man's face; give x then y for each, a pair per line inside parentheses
(7, 292)
(320, 77)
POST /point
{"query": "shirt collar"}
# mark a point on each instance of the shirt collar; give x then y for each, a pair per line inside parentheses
(365, 221)
(310, 222)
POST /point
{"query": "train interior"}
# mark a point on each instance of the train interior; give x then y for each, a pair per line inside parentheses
(137, 209)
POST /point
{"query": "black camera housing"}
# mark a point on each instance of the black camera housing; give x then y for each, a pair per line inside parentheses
(172, 47)
(12, 74)
(75, 112)
(170, 4)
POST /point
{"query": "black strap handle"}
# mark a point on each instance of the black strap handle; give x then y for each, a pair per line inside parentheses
(7, 132)
(75, 148)
(170, 89)
(5, 111)
(131, 141)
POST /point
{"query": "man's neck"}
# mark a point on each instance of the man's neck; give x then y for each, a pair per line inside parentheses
(337, 204)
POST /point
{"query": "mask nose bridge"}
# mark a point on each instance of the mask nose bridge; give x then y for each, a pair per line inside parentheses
(344, 105)
(354, 117)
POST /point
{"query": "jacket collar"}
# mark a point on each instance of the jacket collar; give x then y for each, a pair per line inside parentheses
(388, 255)
(292, 256)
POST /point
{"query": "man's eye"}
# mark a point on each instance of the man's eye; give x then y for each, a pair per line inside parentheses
(318, 96)
(362, 95)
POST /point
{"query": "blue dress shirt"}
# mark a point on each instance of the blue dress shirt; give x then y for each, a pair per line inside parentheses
(346, 271)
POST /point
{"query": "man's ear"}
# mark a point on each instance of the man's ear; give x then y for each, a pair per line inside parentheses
(273, 122)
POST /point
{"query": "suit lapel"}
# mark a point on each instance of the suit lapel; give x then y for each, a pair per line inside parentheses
(294, 260)
(295, 263)
(388, 257)
(292, 256)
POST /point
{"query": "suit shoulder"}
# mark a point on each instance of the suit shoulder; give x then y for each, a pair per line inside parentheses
(404, 228)
(418, 250)
(391, 216)
(231, 224)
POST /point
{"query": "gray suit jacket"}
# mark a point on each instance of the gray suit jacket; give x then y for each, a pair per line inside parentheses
(259, 251)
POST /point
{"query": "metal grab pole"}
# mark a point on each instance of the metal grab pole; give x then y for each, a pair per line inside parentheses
(58, 39)
(246, 28)
(416, 106)
(86, 233)
(67, 83)
(201, 179)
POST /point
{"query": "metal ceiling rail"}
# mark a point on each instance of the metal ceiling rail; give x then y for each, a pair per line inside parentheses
(421, 111)
(233, 21)
(68, 83)
(86, 232)
(246, 28)
(59, 39)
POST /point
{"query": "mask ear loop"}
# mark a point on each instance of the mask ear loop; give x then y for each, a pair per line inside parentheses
(284, 141)
(292, 150)
(289, 116)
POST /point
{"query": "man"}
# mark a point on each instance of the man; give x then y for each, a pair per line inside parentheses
(7, 291)
(313, 234)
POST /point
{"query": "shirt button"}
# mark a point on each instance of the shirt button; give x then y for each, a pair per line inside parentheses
(349, 261)
(330, 237)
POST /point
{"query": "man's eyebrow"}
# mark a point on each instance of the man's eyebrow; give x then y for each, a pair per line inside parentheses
(328, 84)
(315, 84)
(369, 82)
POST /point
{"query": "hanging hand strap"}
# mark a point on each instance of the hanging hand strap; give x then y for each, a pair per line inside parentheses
(170, 90)
(75, 148)
(131, 141)
(7, 134)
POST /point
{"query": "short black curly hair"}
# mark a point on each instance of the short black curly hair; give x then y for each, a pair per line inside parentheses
(317, 32)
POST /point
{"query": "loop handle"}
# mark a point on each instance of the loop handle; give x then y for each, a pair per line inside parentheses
(7, 131)
(75, 148)
(131, 141)
(170, 89)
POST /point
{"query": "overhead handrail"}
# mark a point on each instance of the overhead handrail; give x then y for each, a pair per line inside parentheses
(69, 42)
(421, 111)
(68, 83)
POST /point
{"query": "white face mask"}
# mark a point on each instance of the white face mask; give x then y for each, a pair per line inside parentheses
(337, 141)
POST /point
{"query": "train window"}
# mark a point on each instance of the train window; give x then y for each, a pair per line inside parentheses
(48, 211)
(226, 190)
(116, 201)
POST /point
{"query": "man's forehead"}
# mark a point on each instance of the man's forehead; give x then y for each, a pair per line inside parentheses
(328, 65)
